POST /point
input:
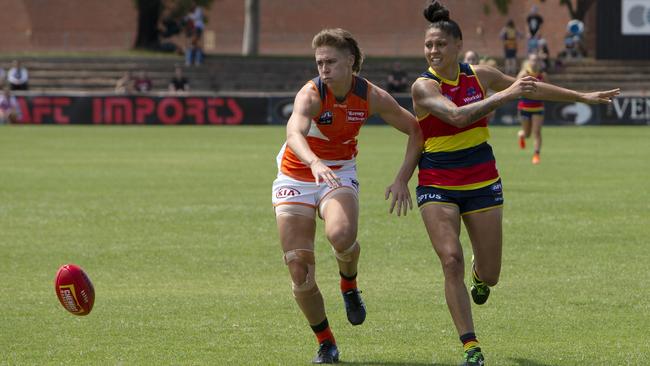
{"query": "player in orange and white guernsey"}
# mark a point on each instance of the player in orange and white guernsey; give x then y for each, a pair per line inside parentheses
(317, 176)
(458, 176)
(531, 112)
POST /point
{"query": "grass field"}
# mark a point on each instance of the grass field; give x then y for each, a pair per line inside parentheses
(175, 228)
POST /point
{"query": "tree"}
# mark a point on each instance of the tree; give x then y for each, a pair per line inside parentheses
(251, 28)
(149, 12)
(579, 12)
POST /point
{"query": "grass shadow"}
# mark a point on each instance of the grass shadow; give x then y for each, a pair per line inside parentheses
(527, 362)
(390, 363)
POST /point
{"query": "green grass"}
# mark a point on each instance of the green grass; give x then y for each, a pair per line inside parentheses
(175, 228)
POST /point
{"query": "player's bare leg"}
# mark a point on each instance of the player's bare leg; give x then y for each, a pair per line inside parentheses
(340, 211)
(485, 232)
(297, 238)
(537, 121)
(524, 133)
(443, 226)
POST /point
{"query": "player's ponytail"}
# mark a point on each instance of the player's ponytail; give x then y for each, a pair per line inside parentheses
(438, 15)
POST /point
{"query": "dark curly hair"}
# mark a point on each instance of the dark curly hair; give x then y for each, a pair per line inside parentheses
(438, 15)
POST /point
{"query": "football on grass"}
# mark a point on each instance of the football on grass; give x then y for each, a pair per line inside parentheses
(74, 289)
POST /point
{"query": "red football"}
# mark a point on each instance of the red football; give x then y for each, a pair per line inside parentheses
(74, 289)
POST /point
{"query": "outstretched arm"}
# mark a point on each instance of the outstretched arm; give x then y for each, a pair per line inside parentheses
(496, 80)
(550, 92)
(390, 111)
(306, 106)
(428, 99)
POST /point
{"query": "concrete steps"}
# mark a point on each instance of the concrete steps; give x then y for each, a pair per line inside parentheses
(282, 74)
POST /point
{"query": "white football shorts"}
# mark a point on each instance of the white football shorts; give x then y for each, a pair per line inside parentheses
(289, 191)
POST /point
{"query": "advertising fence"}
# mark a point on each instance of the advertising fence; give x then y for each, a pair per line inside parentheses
(273, 109)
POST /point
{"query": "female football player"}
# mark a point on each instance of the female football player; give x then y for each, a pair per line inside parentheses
(317, 176)
(531, 112)
(457, 176)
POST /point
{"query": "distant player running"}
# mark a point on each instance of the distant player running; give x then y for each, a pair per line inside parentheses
(458, 178)
(317, 175)
(531, 112)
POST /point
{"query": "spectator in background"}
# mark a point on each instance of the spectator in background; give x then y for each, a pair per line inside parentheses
(397, 80)
(167, 28)
(534, 21)
(179, 82)
(195, 23)
(3, 75)
(471, 58)
(510, 35)
(573, 43)
(124, 85)
(142, 83)
(543, 54)
(18, 77)
(9, 109)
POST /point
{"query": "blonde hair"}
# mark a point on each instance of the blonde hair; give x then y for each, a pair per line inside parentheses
(341, 40)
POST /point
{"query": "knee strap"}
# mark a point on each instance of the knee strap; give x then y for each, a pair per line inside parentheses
(306, 257)
(348, 254)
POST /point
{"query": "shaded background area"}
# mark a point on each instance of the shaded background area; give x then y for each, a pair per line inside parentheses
(383, 27)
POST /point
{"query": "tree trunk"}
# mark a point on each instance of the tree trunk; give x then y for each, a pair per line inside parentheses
(251, 28)
(148, 14)
(579, 12)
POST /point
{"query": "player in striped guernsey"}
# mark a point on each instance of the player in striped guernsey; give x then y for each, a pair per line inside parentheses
(317, 174)
(531, 112)
(458, 178)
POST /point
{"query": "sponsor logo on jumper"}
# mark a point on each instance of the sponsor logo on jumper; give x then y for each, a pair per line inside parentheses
(357, 115)
(473, 98)
(285, 192)
(429, 197)
(325, 118)
(472, 95)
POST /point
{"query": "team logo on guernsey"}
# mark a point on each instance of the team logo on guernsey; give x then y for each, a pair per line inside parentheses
(357, 115)
(355, 183)
(325, 118)
(472, 95)
(284, 192)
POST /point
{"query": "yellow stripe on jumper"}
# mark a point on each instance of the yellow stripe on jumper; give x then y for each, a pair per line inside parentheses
(459, 141)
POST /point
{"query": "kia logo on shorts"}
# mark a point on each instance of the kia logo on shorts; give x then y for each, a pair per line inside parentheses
(285, 192)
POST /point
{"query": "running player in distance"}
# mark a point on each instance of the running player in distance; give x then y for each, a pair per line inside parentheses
(531, 112)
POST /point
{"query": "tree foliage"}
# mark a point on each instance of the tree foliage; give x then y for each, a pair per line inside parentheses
(149, 16)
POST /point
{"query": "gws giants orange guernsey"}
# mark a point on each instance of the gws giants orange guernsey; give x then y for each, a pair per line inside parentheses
(332, 136)
(457, 158)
